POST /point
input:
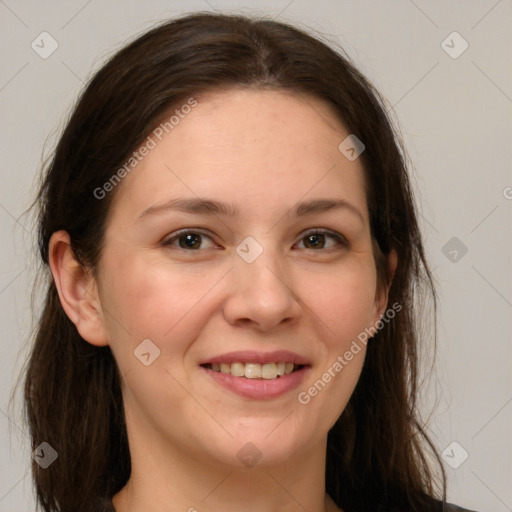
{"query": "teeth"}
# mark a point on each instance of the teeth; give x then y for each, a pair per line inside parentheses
(237, 369)
(266, 371)
(253, 371)
(269, 371)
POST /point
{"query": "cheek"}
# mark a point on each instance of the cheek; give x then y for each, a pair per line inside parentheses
(149, 299)
(341, 300)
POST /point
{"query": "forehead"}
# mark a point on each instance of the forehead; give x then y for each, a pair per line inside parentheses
(247, 146)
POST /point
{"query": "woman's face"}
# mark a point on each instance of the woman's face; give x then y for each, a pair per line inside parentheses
(186, 284)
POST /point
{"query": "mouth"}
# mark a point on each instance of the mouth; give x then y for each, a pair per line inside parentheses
(267, 371)
(257, 375)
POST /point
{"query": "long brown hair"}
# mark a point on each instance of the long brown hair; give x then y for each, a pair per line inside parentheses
(378, 451)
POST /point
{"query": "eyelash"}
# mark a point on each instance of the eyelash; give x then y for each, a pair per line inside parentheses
(340, 239)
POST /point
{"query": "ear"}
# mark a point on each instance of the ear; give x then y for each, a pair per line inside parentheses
(381, 296)
(77, 290)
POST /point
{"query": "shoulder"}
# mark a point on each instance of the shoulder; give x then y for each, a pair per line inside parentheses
(434, 506)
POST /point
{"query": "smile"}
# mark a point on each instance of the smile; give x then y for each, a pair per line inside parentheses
(266, 371)
(257, 375)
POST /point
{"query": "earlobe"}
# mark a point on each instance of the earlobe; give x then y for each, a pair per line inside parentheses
(77, 290)
(381, 299)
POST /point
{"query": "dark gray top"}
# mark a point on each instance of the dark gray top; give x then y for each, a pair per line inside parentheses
(454, 508)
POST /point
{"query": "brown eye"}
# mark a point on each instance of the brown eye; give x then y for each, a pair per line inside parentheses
(315, 241)
(319, 239)
(186, 240)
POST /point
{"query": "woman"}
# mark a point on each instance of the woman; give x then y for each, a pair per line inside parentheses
(234, 257)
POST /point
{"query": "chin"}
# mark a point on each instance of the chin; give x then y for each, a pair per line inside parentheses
(261, 447)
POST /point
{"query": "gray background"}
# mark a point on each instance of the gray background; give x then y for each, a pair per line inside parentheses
(455, 118)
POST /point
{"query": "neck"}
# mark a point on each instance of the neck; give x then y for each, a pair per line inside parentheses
(167, 478)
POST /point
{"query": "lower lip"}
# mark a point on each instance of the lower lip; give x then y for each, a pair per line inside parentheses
(259, 389)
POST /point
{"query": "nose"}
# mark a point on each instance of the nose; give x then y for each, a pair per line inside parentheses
(261, 295)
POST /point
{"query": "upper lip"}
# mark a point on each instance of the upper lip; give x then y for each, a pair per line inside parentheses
(250, 356)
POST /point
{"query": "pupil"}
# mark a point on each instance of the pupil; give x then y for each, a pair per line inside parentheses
(315, 239)
(193, 241)
(190, 241)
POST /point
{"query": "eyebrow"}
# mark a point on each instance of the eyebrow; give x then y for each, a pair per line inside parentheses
(204, 206)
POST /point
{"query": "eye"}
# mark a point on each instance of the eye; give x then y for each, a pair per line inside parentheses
(317, 239)
(187, 239)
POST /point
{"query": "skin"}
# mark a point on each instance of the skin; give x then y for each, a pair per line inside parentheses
(263, 151)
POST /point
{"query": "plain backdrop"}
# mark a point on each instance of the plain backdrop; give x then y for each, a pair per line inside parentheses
(454, 108)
